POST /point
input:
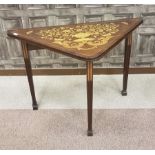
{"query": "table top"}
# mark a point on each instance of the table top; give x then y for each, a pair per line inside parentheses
(85, 41)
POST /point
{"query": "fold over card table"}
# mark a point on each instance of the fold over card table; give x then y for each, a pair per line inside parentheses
(84, 41)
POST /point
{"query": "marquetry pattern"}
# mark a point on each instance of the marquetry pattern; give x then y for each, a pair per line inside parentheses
(80, 37)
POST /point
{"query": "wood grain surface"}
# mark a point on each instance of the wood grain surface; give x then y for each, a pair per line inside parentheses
(89, 41)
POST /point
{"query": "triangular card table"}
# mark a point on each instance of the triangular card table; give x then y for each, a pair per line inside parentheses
(84, 41)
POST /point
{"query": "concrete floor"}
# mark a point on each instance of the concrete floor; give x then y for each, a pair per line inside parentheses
(67, 92)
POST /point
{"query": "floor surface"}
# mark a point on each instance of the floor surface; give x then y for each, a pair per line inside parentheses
(69, 92)
(66, 129)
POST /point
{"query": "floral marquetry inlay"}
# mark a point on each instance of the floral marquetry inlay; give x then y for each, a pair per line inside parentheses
(81, 37)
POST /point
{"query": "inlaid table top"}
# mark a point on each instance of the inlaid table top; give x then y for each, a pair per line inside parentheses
(86, 41)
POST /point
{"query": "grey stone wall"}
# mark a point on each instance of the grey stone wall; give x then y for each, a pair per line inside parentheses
(25, 16)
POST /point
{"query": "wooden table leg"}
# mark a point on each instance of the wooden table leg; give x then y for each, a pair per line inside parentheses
(29, 73)
(89, 96)
(128, 44)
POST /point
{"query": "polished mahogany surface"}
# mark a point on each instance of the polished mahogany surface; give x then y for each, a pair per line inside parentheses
(85, 41)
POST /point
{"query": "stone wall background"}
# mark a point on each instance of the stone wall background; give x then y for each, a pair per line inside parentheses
(26, 16)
